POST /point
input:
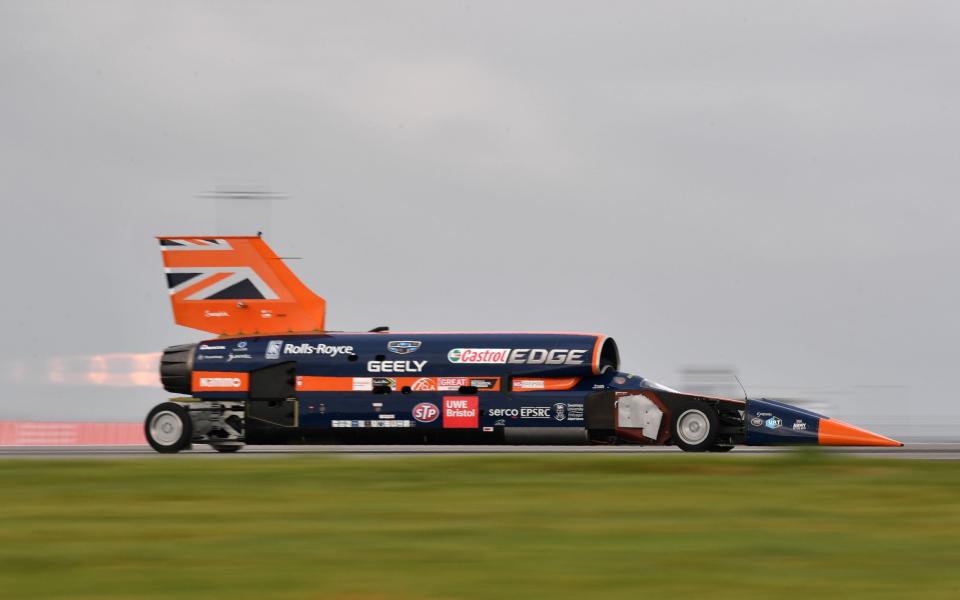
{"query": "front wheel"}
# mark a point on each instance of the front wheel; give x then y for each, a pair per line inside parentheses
(168, 428)
(695, 426)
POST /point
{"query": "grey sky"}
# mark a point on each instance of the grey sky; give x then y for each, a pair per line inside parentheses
(770, 185)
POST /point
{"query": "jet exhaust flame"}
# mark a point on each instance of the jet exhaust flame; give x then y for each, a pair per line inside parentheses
(118, 369)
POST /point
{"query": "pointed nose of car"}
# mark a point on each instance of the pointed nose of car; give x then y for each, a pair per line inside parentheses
(837, 433)
(770, 422)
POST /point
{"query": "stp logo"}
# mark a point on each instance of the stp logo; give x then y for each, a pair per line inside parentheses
(425, 412)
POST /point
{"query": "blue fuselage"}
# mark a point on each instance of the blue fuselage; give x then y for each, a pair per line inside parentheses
(482, 382)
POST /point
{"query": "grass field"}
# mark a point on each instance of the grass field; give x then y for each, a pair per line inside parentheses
(562, 526)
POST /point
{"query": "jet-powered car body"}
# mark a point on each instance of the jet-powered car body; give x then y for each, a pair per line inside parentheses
(274, 375)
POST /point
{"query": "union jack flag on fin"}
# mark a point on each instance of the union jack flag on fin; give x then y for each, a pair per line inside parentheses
(236, 285)
(194, 244)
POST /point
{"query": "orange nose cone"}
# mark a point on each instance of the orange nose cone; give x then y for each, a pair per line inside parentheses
(838, 433)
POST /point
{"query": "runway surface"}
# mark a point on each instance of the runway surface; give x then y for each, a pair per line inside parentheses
(918, 450)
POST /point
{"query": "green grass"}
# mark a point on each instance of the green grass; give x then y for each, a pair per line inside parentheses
(562, 526)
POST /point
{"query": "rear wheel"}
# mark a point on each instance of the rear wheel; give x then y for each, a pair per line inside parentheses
(694, 426)
(168, 428)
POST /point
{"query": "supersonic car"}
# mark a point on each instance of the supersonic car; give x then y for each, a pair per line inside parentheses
(275, 375)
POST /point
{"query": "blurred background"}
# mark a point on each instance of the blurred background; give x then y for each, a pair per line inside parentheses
(761, 189)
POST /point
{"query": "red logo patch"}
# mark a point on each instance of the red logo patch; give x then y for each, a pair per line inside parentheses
(425, 412)
(461, 412)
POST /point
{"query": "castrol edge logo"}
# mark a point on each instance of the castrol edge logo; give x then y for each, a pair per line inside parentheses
(516, 356)
(213, 381)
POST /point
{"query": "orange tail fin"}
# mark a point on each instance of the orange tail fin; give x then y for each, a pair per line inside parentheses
(236, 285)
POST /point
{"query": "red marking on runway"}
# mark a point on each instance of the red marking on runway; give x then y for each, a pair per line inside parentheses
(45, 433)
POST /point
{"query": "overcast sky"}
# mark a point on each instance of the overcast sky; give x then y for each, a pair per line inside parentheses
(770, 186)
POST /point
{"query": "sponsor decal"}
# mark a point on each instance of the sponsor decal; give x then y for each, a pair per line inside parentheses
(385, 382)
(524, 356)
(487, 429)
(799, 425)
(499, 423)
(215, 314)
(362, 384)
(516, 356)
(403, 346)
(396, 366)
(529, 384)
(560, 411)
(319, 349)
(450, 384)
(461, 412)
(209, 357)
(535, 412)
(426, 412)
(773, 423)
(209, 347)
(273, 349)
(266, 313)
(479, 355)
(453, 384)
(242, 345)
(574, 412)
(386, 416)
(756, 422)
(238, 355)
(211, 381)
(524, 412)
(372, 424)
(424, 384)
(220, 382)
(484, 383)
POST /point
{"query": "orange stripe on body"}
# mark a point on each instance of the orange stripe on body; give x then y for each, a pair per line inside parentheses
(309, 383)
(596, 354)
(313, 383)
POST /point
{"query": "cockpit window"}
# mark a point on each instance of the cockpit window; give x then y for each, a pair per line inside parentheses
(630, 379)
(658, 386)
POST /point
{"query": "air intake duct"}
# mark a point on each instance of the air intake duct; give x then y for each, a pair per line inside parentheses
(176, 366)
